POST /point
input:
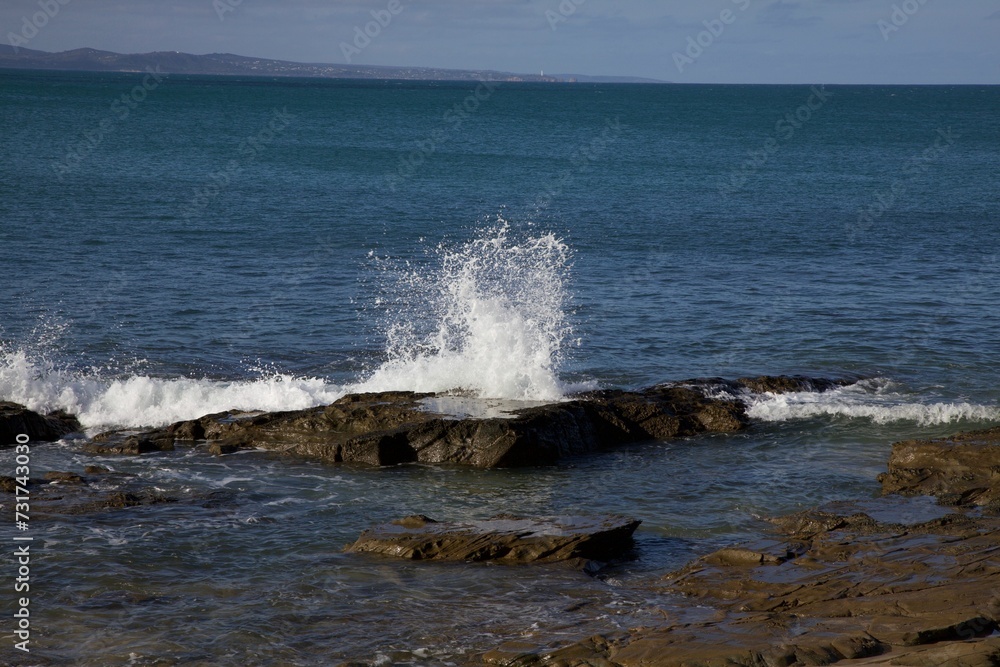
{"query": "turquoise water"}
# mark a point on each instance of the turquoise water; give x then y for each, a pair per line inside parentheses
(275, 244)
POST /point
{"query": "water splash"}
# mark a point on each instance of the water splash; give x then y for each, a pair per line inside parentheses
(489, 317)
(102, 401)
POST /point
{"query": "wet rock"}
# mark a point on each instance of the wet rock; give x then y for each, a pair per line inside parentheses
(10, 484)
(130, 445)
(68, 493)
(223, 448)
(393, 428)
(963, 470)
(985, 653)
(784, 384)
(912, 595)
(507, 539)
(64, 477)
(17, 420)
(739, 557)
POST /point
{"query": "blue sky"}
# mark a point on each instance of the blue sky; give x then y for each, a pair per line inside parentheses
(754, 41)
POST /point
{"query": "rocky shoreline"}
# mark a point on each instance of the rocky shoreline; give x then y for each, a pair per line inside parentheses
(838, 588)
(836, 585)
(394, 428)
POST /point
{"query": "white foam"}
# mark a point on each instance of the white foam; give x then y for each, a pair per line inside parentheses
(142, 401)
(489, 318)
(875, 401)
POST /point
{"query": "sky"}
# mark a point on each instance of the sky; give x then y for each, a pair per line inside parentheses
(685, 41)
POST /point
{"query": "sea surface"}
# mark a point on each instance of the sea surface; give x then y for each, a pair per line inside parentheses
(206, 243)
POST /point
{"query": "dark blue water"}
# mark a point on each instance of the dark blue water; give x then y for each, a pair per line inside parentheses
(276, 243)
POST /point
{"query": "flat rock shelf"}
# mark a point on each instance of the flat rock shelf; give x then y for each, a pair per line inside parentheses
(503, 539)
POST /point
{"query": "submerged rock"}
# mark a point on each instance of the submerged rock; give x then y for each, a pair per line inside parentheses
(68, 493)
(503, 539)
(962, 470)
(838, 588)
(18, 420)
(399, 427)
(914, 589)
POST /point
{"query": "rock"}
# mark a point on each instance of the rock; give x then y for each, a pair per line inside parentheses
(739, 557)
(64, 477)
(10, 484)
(784, 384)
(850, 590)
(985, 653)
(223, 448)
(68, 493)
(505, 539)
(393, 428)
(963, 470)
(18, 420)
(132, 445)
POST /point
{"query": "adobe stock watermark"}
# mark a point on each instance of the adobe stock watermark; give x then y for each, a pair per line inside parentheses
(915, 167)
(785, 130)
(714, 28)
(119, 111)
(246, 154)
(452, 122)
(565, 9)
(22, 519)
(30, 26)
(223, 7)
(900, 16)
(363, 36)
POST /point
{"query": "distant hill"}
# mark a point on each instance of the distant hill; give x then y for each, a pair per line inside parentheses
(174, 62)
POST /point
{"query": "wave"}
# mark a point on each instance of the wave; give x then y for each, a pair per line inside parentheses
(875, 400)
(144, 401)
(488, 318)
(141, 401)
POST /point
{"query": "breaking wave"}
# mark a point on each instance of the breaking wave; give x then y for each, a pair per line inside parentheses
(488, 317)
(141, 400)
(876, 400)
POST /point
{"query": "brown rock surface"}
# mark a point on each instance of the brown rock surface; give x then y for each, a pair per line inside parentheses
(505, 539)
(962, 470)
(838, 589)
(398, 427)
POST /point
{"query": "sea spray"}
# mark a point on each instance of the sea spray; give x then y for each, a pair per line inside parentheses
(103, 400)
(487, 317)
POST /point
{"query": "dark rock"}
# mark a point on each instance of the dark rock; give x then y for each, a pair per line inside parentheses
(505, 539)
(132, 445)
(784, 384)
(95, 470)
(223, 448)
(124, 500)
(64, 477)
(10, 484)
(68, 493)
(963, 470)
(394, 428)
(18, 420)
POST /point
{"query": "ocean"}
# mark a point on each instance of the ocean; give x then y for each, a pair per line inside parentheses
(175, 246)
